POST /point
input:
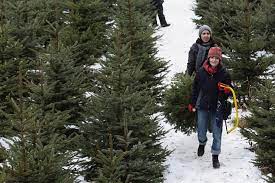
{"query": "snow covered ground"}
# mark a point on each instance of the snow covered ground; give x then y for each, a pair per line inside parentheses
(183, 164)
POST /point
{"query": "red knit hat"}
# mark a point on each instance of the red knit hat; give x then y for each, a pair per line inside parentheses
(215, 52)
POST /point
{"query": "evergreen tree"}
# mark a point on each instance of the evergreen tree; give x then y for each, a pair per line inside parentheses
(110, 161)
(35, 152)
(175, 105)
(46, 24)
(126, 101)
(14, 25)
(268, 23)
(133, 19)
(87, 34)
(246, 61)
(63, 72)
(67, 91)
(89, 22)
(262, 128)
(25, 25)
(43, 23)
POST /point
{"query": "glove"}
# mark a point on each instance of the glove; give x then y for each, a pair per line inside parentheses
(227, 91)
(191, 108)
(224, 90)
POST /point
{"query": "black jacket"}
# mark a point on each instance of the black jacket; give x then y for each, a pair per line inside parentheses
(157, 2)
(193, 53)
(205, 93)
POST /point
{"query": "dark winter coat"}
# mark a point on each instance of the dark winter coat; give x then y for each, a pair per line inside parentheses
(205, 93)
(157, 3)
(198, 54)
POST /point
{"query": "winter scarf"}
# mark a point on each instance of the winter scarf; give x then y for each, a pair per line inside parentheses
(203, 48)
(209, 69)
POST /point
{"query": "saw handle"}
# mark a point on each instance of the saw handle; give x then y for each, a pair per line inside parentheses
(236, 120)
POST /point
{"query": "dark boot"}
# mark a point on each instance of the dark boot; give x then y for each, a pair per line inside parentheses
(165, 25)
(215, 160)
(201, 150)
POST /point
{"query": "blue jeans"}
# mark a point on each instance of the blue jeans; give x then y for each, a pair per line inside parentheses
(216, 119)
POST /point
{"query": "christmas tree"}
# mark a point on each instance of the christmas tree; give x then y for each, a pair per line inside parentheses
(125, 105)
(35, 153)
(261, 128)
(175, 104)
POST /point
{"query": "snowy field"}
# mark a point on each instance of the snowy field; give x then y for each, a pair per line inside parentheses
(183, 164)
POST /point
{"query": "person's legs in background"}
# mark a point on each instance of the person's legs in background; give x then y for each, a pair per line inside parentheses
(161, 16)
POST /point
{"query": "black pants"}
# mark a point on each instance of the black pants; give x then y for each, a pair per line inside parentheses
(159, 9)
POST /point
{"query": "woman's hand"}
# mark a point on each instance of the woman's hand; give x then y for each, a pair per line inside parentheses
(191, 108)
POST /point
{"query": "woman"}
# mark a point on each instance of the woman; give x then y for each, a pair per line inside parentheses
(207, 98)
(199, 50)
